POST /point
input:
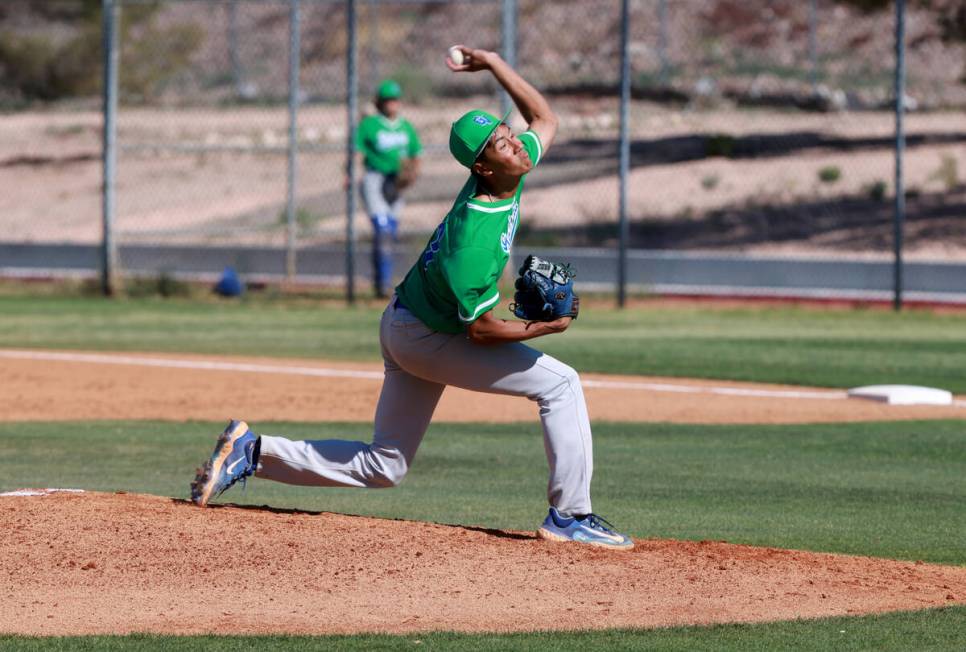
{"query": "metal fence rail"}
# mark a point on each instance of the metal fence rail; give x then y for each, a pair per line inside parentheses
(647, 272)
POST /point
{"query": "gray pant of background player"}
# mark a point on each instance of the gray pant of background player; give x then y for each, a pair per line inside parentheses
(372, 197)
(419, 363)
(385, 224)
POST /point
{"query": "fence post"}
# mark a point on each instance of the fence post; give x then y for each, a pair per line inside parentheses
(662, 39)
(373, 13)
(625, 153)
(509, 28)
(352, 83)
(813, 43)
(111, 24)
(294, 56)
(900, 200)
(233, 58)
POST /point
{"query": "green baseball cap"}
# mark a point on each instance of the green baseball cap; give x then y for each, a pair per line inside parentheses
(389, 89)
(468, 135)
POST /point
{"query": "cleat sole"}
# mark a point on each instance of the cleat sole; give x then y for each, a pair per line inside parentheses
(204, 483)
(547, 535)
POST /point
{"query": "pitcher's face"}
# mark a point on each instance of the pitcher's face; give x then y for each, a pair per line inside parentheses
(505, 155)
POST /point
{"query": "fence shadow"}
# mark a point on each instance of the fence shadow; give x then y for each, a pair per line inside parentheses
(846, 224)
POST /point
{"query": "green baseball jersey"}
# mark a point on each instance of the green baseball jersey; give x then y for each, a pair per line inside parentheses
(456, 278)
(383, 142)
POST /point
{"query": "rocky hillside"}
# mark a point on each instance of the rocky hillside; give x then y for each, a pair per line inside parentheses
(707, 51)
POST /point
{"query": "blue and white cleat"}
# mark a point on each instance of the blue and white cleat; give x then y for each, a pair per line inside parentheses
(233, 460)
(591, 529)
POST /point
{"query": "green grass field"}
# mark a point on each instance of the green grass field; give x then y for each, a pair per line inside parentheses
(804, 346)
(926, 631)
(884, 489)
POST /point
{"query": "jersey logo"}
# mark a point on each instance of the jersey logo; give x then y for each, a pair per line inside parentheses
(482, 120)
(506, 238)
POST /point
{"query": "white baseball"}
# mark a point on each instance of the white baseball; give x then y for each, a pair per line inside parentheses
(456, 55)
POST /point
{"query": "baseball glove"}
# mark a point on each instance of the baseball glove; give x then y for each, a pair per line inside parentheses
(544, 291)
(408, 171)
(390, 188)
(394, 184)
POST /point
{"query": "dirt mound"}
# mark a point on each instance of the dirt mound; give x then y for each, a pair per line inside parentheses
(92, 563)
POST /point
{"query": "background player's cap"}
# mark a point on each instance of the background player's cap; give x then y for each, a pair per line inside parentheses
(389, 89)
(468, 135)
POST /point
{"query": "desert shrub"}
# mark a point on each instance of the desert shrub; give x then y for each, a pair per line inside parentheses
(153, 57)
(78, 69)
(877, 190)
(36, 67)
(25, 61)
(710, 181)
(947, 173)
(829, 174)
(164, 284)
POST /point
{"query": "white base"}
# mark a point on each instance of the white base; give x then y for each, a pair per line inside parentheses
(903, 395)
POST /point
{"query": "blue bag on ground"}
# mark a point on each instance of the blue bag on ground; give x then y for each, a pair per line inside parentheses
(229, 285)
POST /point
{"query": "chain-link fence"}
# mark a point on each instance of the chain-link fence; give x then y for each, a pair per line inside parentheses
(206, 160)
(760, 132)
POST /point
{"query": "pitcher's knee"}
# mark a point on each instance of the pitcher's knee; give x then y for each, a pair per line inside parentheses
(563, 390)
(567, 381)
(571, 375)
(387, 467)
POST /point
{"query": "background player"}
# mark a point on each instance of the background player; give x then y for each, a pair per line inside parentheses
(390, 151)
(440, 330)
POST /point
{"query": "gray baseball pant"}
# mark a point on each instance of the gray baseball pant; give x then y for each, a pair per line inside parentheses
(371, 189)
(419, 363)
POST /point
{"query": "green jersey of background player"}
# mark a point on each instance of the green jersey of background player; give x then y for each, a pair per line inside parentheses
(440, 330)
(386, 139)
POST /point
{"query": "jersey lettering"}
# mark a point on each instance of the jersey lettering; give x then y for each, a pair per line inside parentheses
(389, 140)
(506, 238)
(433, 247)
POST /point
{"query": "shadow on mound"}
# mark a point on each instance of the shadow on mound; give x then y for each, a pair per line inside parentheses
(501, 534)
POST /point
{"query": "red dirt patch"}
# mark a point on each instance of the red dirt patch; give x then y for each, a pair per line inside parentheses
(99, 563)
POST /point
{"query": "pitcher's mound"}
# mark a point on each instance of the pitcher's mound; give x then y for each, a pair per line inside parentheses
(94, 563)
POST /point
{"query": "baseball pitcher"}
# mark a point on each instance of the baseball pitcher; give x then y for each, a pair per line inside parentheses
(439, 329)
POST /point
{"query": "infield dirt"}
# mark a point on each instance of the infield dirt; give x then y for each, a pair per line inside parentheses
(46, 389)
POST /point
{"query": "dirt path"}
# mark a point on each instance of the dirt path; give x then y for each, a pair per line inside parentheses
(77, 386)
(130, 563)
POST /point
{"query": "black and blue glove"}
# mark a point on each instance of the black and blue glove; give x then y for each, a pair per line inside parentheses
(545, 291)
